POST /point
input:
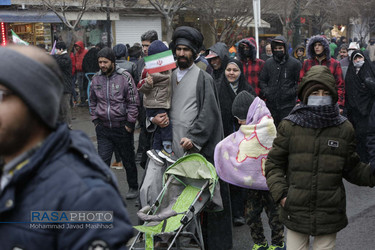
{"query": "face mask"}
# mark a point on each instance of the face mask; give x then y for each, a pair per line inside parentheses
(319, 100)
(358, 64)
(278, 54)
(247, 53)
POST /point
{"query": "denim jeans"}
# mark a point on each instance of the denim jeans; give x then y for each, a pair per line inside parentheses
(119, 138)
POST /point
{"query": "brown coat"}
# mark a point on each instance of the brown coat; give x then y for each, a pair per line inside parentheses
(157, 95)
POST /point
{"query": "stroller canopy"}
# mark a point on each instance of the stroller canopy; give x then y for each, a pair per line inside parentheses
(194, 166)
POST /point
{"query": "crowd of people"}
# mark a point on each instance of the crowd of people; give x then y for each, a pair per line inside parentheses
(316, 99)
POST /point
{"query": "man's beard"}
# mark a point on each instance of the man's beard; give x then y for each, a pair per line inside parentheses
(184, 64)
(108, 70)
(13, 138)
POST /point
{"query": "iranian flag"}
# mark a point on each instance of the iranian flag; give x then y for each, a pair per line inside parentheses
(160, 62)
(17, 39)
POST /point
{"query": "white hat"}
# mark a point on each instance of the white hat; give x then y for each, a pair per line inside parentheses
(354, 46)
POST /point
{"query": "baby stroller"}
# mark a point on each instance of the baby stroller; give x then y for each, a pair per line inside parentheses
(188, 186)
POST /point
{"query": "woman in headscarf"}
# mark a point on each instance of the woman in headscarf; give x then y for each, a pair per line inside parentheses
(232, 84)
(359, 97)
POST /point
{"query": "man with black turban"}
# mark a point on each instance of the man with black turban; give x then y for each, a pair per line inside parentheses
(195, 116)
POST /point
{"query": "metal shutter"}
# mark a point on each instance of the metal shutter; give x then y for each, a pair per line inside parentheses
(130, 29)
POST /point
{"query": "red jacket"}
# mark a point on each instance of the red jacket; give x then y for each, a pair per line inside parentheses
(73, 63)
(331, 63)
(79, 56)
(336, 71)
(251, 65)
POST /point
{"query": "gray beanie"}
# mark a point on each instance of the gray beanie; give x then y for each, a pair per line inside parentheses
(107, 53)
(241, 104)
(34, 83)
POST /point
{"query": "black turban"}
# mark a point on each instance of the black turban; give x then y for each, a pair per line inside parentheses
(189, 37)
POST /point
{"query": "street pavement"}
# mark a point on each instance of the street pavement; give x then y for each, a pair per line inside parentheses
(358, 235)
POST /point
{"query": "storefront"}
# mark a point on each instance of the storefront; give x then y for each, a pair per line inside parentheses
(34, 33)
(32, 27)
(42, 29)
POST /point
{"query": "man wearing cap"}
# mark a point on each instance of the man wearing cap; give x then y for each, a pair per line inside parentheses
(114, 105)
(195, 116)
(218, 58)
(278, 80)
(45, 167)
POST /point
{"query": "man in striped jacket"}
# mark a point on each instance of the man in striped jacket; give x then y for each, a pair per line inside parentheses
(114, 105)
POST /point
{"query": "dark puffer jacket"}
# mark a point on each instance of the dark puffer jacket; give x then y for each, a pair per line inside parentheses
(307, 165)
(65, 64)
(316, 201)
(64, 174)
(278, 83)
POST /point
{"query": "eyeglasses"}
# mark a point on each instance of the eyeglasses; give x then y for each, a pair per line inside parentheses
(4, 93)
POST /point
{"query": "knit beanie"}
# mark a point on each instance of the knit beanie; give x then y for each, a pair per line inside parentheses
(317, 75)
(120, 51)
(156, 47)
(107, 53)
(241, 104)
(39, 87)
(310, 88)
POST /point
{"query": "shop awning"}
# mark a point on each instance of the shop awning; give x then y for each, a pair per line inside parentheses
(93, 16)
(263, 24)
(14, 16)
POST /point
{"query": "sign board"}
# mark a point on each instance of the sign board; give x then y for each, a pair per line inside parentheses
(5, 2)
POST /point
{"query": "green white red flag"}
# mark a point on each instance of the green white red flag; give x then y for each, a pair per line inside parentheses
(160, 62)
(17, 39)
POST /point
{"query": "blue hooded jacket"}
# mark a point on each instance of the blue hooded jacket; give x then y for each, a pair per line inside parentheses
(64, 174)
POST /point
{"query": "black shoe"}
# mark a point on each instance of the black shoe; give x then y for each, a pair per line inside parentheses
(239, 221)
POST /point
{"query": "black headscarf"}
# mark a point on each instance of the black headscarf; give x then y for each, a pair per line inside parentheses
(227, 95)
(360, 88)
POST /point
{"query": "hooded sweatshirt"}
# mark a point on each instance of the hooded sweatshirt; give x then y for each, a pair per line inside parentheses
(331, 63)
(221, 49)
(251, 65)
(80, 55)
